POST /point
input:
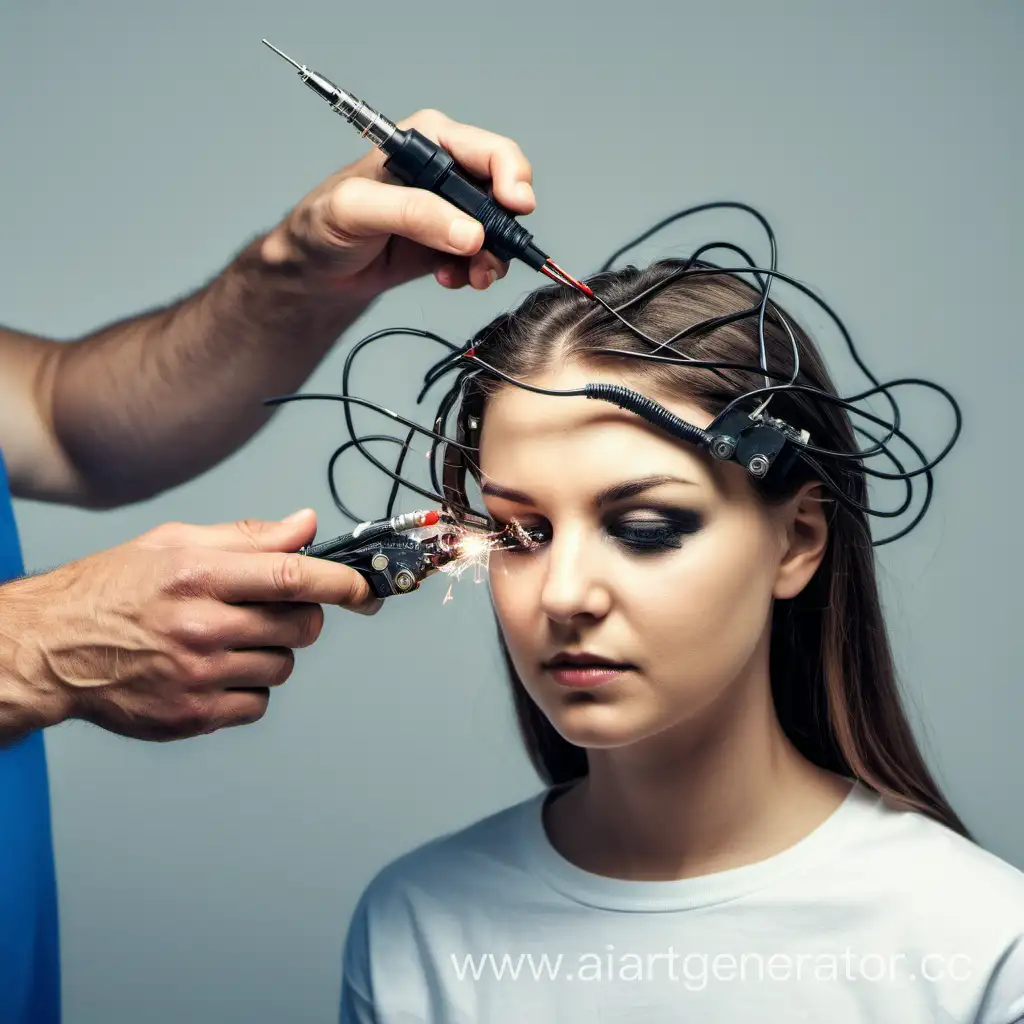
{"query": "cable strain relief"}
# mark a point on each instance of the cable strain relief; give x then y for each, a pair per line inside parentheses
(651, 411)
(533, 257)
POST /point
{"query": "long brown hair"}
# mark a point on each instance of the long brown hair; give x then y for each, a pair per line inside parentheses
(833, 679)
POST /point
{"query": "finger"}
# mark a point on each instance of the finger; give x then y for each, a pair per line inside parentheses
(241, 707)
(484, 154)
(276, 576)
(481, 271)
(360, 208)
(258, 669)
(280, 624)
(288, 534)
(485, 269)
(453, 275)
(370, 607)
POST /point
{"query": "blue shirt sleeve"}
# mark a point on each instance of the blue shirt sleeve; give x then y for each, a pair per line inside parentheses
(29, 942)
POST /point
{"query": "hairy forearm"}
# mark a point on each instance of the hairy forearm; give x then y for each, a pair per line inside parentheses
(152, 401)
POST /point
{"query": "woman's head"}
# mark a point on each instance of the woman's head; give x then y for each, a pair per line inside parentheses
(682, 569)
(650, 555)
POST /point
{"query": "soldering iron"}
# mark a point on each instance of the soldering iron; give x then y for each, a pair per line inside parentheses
(419, 162)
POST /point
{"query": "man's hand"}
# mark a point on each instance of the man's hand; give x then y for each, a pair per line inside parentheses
(179, 632)
(358, 233)
(125, 413)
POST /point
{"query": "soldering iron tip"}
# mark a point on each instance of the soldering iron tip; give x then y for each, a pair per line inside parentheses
(285, 55)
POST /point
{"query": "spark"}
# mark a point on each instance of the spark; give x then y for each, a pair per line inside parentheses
(474, 553)
(475, 547)
(448, 597)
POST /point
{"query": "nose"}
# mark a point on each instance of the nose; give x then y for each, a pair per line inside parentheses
(573, 585)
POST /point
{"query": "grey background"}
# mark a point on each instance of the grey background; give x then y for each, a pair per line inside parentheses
(144, 143)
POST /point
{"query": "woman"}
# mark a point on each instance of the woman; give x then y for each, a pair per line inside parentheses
(737, 823)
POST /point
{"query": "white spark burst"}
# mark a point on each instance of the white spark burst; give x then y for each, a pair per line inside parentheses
(474, 553)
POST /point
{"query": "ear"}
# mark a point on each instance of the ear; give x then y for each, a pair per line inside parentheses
(806, 527)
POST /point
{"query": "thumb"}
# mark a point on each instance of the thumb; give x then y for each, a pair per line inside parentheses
(288, 534)
(295, 530)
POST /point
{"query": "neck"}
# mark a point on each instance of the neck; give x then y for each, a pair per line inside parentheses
(723, 789)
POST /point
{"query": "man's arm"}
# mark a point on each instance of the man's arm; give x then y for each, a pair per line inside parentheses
(36, 464)
(150, 402)
(156, 399)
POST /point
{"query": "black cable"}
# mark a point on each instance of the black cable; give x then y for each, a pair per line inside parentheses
(727, 204)
(356, 442)
(472, 367)
(346, 373)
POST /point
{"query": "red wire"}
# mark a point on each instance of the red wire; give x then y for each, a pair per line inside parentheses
(578, 285)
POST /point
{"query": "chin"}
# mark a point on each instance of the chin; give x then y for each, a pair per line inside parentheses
(593, 724)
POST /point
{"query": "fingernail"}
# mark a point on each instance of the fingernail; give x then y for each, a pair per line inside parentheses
(492, 276)
(525, 191)
(463, 234)
(296, 516)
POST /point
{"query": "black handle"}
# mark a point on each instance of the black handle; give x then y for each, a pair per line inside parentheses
(417, 161)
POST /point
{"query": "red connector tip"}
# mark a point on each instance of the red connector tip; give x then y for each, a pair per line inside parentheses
(431, 517)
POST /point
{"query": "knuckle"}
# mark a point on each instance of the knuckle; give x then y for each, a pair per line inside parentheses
(412, 213)
(288, 576)
(512, 152)
(303, 222)
(510, 146)
(429, 117)
(250, 530)
(356, 590)
(186, 578)
(195, 630)
(171, 534)
(345, 196)
(186, 575)
(196, 671)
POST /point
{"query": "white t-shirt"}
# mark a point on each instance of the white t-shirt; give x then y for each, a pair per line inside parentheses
(878, 915)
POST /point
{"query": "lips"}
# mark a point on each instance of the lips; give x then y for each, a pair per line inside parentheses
(584, 660)
(585, 669)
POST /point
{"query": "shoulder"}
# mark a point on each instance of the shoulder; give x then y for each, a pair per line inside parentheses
(416, 909)
(456, 866)
(935, 852)
(943, 876)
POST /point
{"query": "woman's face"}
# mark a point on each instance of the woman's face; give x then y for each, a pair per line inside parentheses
(651, 559)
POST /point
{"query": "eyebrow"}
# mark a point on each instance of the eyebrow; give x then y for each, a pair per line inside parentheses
(618, 492)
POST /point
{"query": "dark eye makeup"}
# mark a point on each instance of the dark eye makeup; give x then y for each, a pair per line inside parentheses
(654, 532)
(641, 531)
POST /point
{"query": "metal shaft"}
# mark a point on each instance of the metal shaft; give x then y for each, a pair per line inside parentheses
(285, 55)
(370, 124)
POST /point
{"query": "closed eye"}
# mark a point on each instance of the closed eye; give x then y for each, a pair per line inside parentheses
(653, 533)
